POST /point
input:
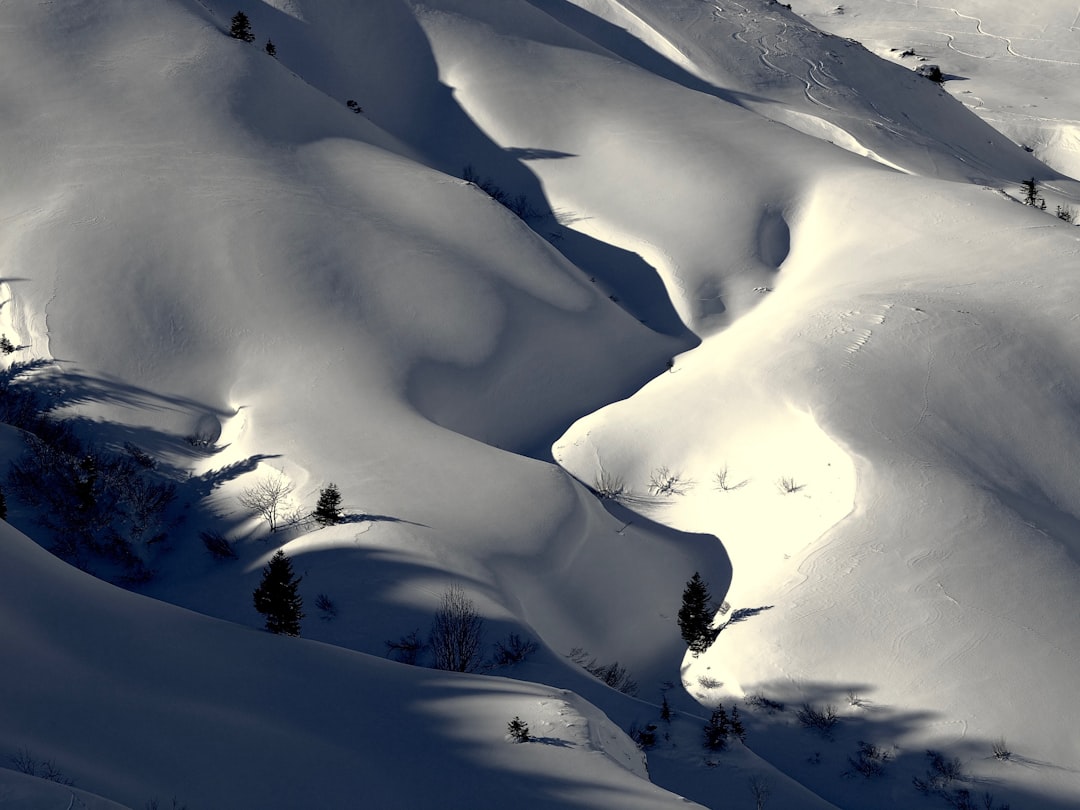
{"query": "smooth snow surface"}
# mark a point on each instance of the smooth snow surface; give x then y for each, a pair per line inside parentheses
(769, 283)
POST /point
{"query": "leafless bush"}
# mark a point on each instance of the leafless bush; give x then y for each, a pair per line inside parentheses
(612, 674)
(788, 486)
(514, 651)
(708, 682)
(457, 633)
(326, 607)
(1001, 750)
(268, 498)
(665, 482)
(218, 546)
(608, 486)
(869, 760)
(725, 483)
(759, 701)
(940, 775)
(759, 789)
(819, 720)
(25, 762)
(854, 699)
(406, 649)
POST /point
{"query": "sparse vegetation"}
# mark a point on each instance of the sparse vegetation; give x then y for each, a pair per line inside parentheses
(270, 48)
(240, 28)
(759, 701)
(1030, 190)
(644, 737)
(354, 106)
(1064, 213)
(457, 633)
(696, 615)
(788, 485)
(218, 545)
(1001, 750)
(25, 762)
(519, 730)
(664, 482)
(6, 346)
(513, 651)
(277, 597)
(725, 483)
(869, 761)
(407, 649)
(820, 720)
(613, 674)
(269, 498)
(759, 789)
(721, 726)
(518, 204)
(608, 486)
(328, 509)
(326, 606)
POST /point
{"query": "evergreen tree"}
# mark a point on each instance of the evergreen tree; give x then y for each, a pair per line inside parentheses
(241, 27)
(665, 710)
(737, 728)
(1030, 190)
(3, 506)
(717, 730)
(328, 509)
(271, 48)
(519, 730)
(695, 615)
(277, 599)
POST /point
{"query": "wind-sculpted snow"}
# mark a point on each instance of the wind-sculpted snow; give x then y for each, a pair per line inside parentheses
(768, 298)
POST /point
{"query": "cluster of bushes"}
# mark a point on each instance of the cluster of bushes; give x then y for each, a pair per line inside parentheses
(96, 504)
(613, 674)
(455, 640)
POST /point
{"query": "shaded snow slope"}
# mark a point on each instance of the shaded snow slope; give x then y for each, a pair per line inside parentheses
(138, 700)
(748, 248)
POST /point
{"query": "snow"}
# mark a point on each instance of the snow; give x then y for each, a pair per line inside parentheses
(758, 250)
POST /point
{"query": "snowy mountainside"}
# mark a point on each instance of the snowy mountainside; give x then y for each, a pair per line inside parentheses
(747, 246)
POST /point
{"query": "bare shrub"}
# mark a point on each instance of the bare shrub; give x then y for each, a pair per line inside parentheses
(645, 737)
(613, 674)
(1001, 750)
(854, 700)
(457, 633)
(723, 481)
(407, 649)
(708, 682)
(664, 482)
(608, 486)
(268, 498)
(940, 774)
(759, 701)
(788, 485)
(514, 651)
(25, 762)
(326, 607)
(759, 789)
(820, 720)
(869, 760)
(218, 546)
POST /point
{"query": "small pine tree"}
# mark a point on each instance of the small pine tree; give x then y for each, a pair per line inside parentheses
(328, 509)
(241, 27)
(1030, 189)
(519, 730)
(277, 598)
(717, 730)
(271, 48)
(3, 506)
(665, 710)
(695, 615)
(735, 724)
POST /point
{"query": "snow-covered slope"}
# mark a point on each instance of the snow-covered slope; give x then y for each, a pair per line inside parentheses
(807, 249)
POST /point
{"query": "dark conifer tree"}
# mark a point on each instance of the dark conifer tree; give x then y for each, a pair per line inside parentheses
(271, 48)
(665, 710)
(241, 27)
(695, 615)
(717, 730)
(328, 509)
(277, 598)
(736, 725)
